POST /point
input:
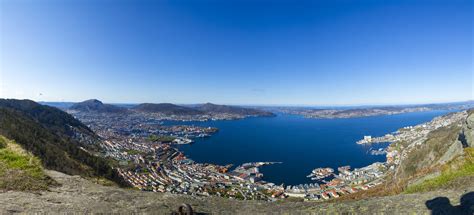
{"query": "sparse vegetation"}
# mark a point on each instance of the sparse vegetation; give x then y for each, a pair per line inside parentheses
(399, 145)
(20, 170)
(155, 138)
(3, 143)
(133, 152)
(425, 155)
(451, 171)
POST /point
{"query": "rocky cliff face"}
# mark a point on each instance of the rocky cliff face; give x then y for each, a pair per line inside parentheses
(467, 134)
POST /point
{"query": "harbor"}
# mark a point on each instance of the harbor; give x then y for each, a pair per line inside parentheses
(176, 158)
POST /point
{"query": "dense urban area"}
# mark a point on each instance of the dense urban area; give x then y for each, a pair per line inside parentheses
(149, 160)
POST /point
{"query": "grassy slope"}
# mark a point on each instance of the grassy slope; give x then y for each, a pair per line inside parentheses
(462, 167)
(19, 170)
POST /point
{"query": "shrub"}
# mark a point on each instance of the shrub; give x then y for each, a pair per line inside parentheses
(3, 143)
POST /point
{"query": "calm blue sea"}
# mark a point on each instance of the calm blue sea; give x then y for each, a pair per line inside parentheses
(301, 144)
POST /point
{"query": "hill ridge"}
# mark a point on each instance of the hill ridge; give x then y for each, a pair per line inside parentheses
(96, 105)
(61, 142)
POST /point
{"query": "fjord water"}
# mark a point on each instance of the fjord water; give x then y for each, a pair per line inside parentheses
(301, 144)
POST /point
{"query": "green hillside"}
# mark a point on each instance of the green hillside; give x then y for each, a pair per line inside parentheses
(61, 142)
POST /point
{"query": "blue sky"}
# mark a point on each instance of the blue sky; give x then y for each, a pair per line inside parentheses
(238, 52)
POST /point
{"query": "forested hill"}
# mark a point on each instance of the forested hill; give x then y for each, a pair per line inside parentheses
(56, 120)
(166, 108)
(226, 109)
(94, 105)
(58, 139)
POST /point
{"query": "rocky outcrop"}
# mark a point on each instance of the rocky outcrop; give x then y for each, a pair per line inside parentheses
(77, 195)
(425, 157)
(467, 134)
(455, 149)
(464, 139)
(439, 147)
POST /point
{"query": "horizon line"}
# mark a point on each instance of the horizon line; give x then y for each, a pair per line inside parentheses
(274, 105)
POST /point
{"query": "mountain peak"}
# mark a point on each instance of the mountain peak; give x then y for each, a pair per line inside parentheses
(96, 105)
(92, 101)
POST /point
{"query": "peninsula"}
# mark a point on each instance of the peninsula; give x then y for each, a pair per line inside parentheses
(353, 112)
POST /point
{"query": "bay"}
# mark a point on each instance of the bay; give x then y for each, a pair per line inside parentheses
(301, 144)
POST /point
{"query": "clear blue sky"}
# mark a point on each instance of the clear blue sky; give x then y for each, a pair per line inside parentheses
(238, 52)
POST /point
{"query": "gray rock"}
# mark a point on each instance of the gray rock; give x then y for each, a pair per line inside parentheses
(468, 131)
(454, 150)
(77, 195)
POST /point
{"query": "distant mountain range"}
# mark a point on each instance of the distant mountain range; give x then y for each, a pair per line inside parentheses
(94, 105)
